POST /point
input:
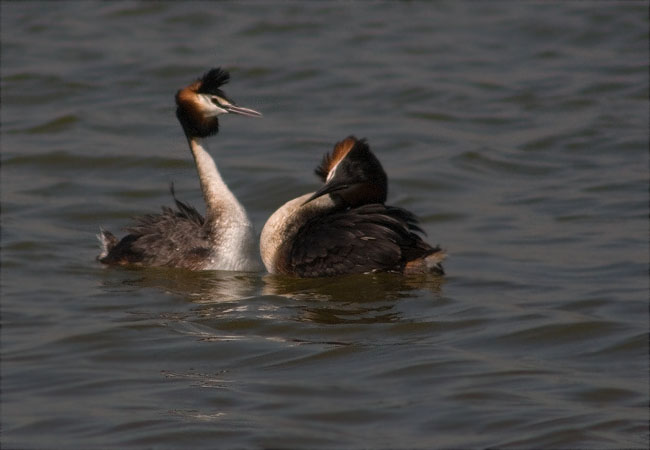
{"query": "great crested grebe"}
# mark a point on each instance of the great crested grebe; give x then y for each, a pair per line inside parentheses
(344, 227)
(224, 239)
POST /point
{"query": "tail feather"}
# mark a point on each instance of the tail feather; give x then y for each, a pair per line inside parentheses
(431, 263)
(434, 262)
(107, 241)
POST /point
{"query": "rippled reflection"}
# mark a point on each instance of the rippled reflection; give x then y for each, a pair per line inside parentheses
(367, 298)
(199, 287)
(517, 132)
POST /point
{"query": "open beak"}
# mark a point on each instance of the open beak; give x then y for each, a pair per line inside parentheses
(242, 111)
(326, 189)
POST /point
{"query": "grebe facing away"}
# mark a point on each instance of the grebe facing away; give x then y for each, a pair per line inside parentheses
(344, 227)
(224, 239)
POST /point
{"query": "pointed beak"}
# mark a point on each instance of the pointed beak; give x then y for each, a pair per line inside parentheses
(241, 111)
(326, 189)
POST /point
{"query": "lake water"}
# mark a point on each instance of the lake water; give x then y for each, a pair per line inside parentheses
(516, 131)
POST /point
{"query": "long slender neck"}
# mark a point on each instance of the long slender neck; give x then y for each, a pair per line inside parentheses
(230, 230)
(284, 224)
(220, 202)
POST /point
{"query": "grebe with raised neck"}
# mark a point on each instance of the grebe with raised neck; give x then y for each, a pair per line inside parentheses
(345, 227)
(182, 237)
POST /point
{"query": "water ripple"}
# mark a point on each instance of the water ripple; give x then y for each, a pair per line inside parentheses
(518, 133)
(67, 160)
(482, 163)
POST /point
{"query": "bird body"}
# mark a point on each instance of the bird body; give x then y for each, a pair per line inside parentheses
(345, 227)
(182, 237)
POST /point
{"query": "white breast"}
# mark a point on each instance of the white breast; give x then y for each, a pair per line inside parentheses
(237, 250)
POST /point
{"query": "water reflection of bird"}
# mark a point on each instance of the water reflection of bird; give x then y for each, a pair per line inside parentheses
(357, 298)
(224, 239)
(345, 227)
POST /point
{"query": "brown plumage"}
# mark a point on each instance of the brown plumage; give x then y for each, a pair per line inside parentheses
(330, 160)
(181, 237)
(345, 227)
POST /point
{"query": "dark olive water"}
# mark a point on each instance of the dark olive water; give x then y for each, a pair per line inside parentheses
(517, 131)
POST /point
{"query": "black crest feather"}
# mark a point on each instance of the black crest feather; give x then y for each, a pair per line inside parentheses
(213, 80)
(323, 169)
(338, 152)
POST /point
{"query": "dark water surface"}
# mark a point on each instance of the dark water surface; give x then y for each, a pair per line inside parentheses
(517, 131)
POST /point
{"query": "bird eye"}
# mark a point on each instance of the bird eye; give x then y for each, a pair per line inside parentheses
(215, 100)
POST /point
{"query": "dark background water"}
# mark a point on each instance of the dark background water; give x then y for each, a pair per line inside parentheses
(517, 131)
